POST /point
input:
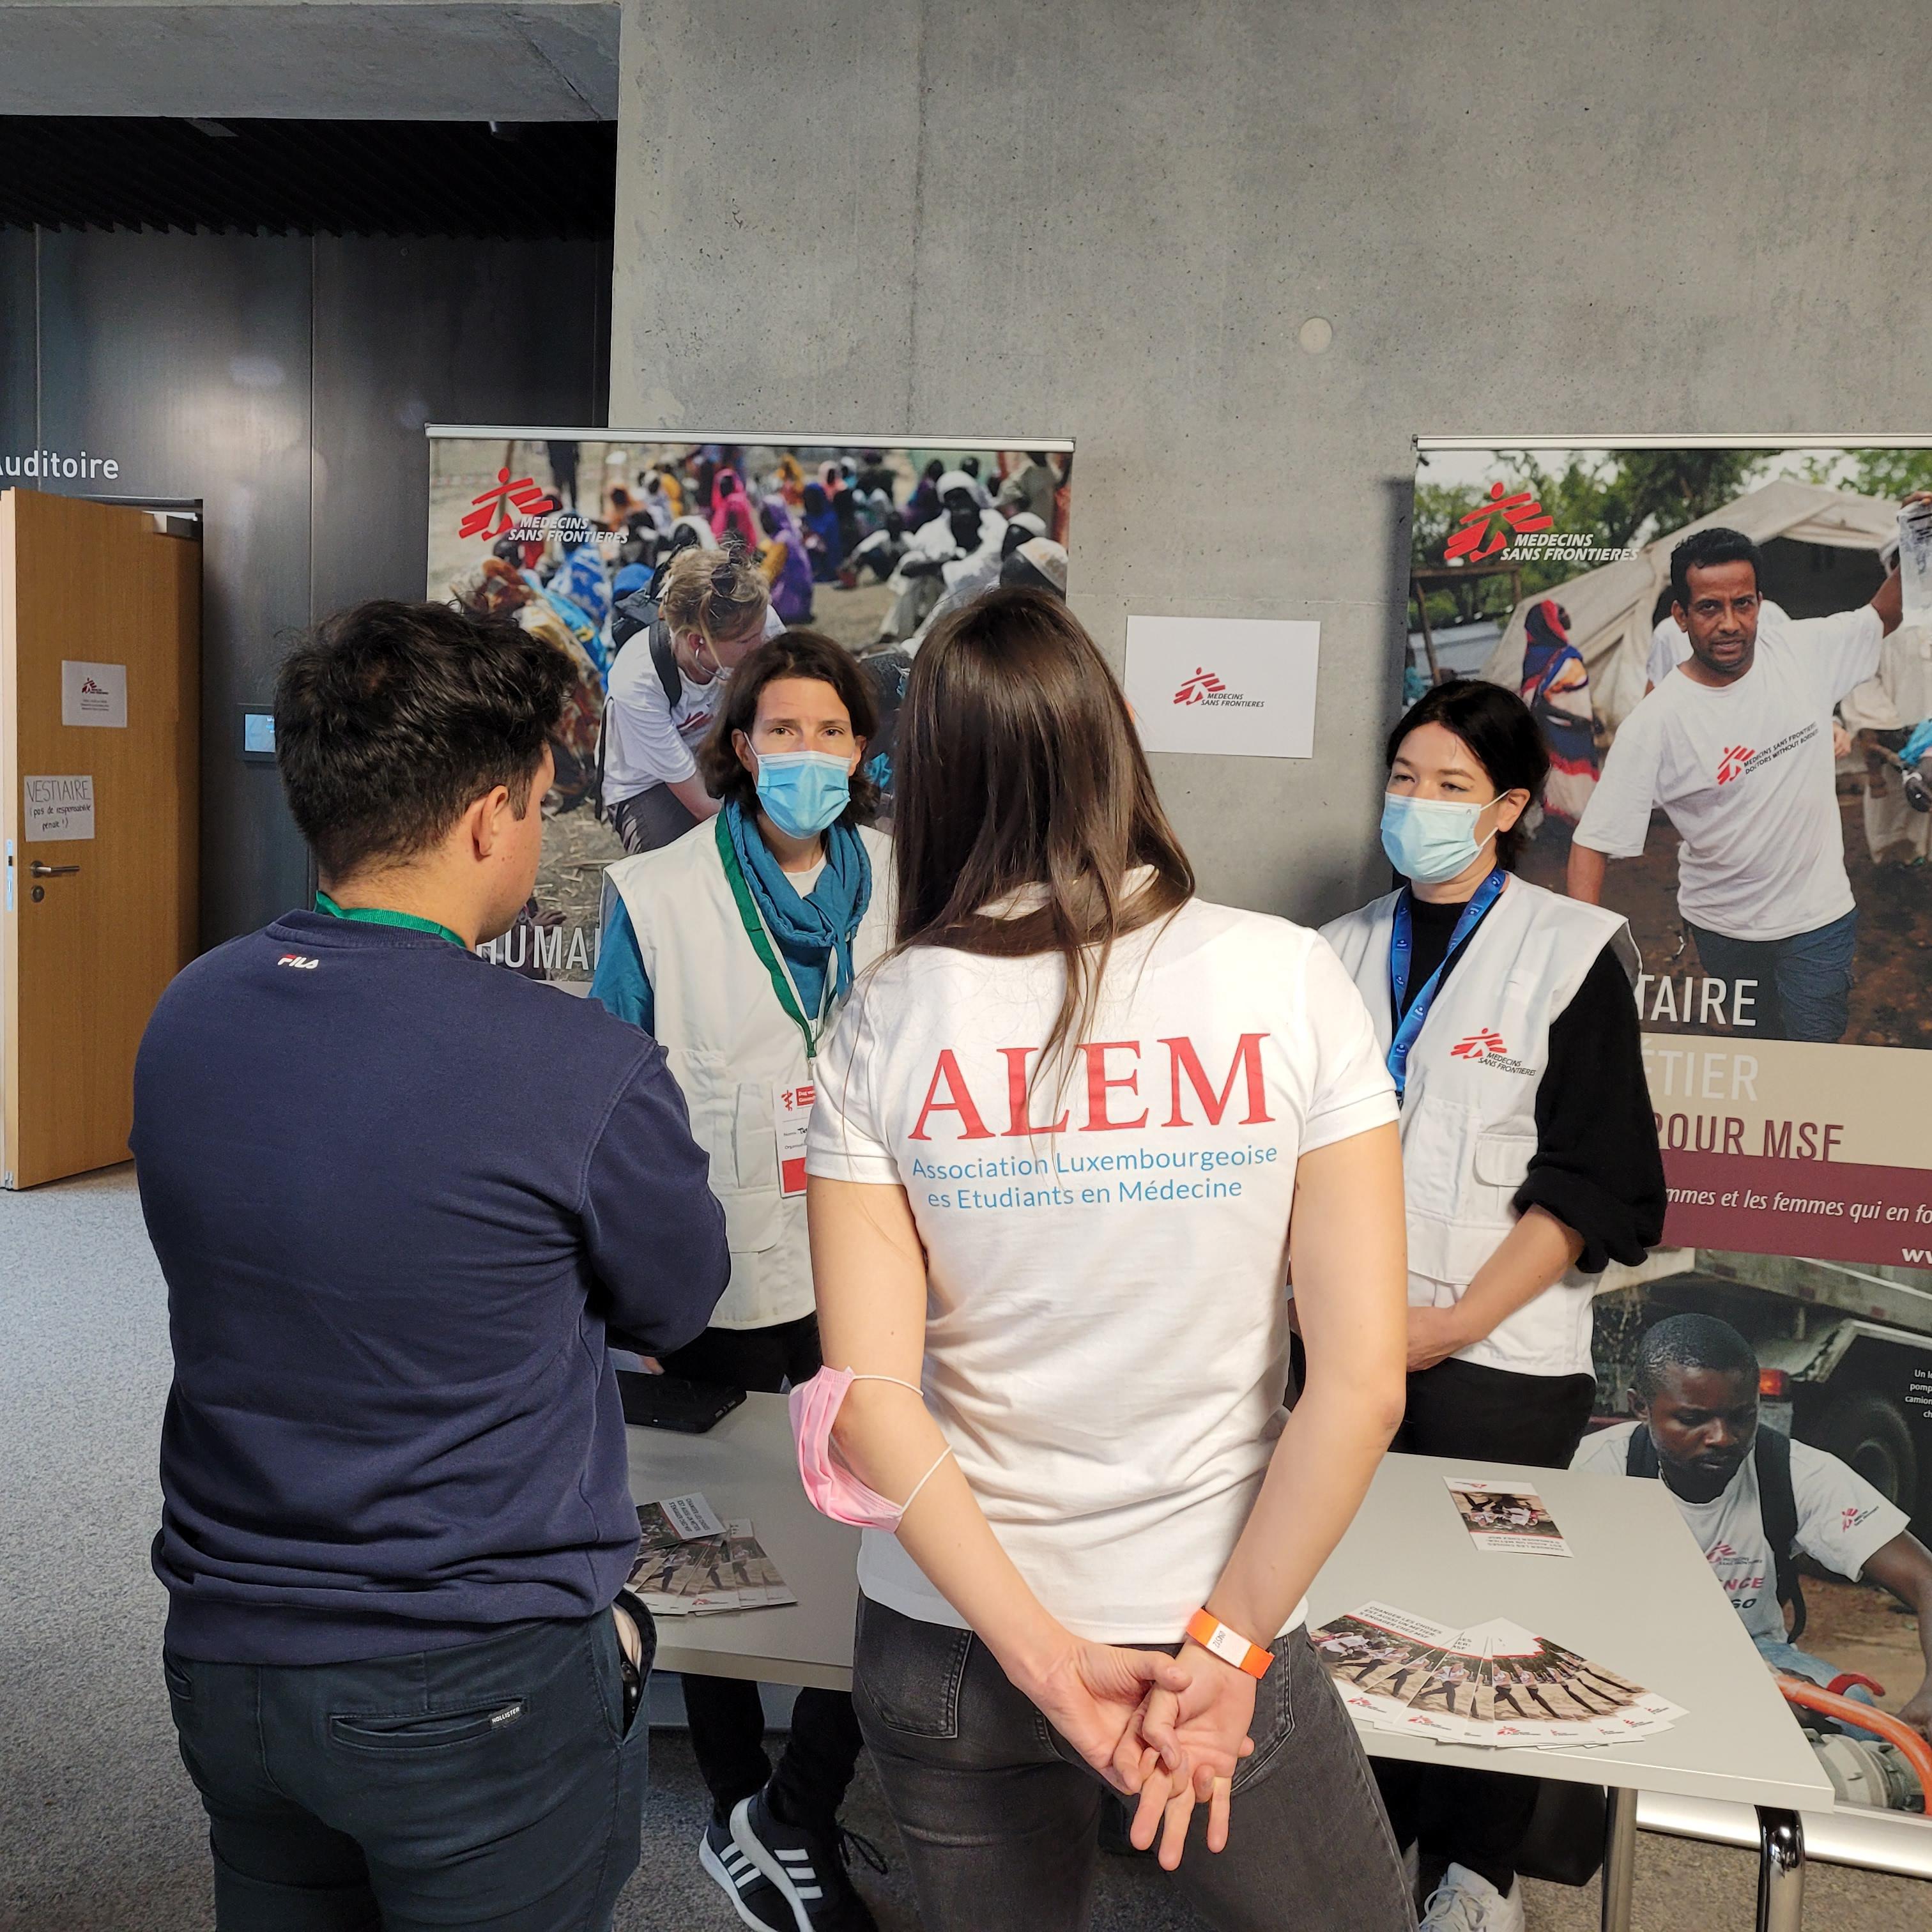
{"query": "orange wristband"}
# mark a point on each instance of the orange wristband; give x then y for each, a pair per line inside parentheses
(1230, 1646)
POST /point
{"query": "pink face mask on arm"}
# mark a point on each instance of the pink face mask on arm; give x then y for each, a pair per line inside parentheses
(829, 1486)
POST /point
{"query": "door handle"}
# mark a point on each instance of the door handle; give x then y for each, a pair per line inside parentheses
(41, 871)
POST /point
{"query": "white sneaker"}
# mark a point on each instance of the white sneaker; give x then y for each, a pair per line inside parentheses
(1465, 1901)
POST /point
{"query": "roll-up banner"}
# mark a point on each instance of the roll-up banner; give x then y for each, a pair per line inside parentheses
(867, 540)
(1741, 765)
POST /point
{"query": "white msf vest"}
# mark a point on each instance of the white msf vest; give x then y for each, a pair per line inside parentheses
(738, 1056)
(1468, 1114)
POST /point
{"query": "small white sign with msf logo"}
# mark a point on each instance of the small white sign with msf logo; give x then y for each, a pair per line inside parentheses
(93, 694)
(1238, 687)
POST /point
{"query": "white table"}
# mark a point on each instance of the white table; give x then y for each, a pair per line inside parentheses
(1637, 1595)
(746, 1467)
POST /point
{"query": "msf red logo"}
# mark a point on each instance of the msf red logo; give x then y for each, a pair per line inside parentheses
(89, 688)
(1203, 685)
(1734, 763)
(1486, 530)
(489, 515)
(1479, 1045)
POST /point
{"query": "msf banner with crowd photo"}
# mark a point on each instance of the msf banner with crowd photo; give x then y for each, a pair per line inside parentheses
(567, 531)
(1728, 646)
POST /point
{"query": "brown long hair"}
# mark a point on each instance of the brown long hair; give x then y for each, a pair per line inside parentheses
(1021, 767)
(790, 654)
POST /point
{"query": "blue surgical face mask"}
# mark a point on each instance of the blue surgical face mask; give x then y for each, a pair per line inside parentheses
(1430, 839)
(803, 792)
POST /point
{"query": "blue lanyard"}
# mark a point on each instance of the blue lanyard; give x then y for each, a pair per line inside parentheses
(1402, 949)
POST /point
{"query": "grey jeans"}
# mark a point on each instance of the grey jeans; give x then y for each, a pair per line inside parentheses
(999, 1815)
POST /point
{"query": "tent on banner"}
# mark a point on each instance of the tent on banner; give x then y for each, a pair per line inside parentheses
(1611, 607)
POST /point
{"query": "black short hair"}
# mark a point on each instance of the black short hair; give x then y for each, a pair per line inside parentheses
(1691, 1342)
(1703, 548)
(391, 718)
(798, 653)
(1500, 732)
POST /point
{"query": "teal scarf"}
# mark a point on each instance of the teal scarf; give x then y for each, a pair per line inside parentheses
(814, 934)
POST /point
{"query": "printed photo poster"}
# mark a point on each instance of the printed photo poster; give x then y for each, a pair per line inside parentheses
(1746, 777)
(870, 542)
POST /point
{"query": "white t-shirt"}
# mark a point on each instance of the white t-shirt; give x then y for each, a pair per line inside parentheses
(1106, 1343)
(1670, 643)
(1747, 775)
(648, 740)
(1842, 1520)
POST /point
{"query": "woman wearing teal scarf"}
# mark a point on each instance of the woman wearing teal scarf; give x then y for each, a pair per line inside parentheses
(735, 946)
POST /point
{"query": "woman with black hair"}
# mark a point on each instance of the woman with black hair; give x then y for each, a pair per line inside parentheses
(1530, 1162)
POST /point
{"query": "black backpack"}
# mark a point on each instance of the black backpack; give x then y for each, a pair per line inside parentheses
(1776, 1502)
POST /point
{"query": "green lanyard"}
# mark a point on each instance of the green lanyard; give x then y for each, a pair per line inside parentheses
(761, 944)
(376, 916)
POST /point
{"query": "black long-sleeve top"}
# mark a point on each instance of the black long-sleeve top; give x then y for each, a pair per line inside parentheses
(1597, 1167)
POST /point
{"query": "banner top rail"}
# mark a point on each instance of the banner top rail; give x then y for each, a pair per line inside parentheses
(1058, 446)
(1846, 439)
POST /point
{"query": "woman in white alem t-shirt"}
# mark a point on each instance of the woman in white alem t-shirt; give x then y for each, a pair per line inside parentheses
(1058, 1138)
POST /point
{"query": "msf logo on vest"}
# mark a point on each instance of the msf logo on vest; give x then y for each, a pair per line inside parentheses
(1485, 1048)
(1735, 762)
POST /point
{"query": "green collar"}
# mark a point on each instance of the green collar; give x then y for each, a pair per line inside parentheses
(376, 916)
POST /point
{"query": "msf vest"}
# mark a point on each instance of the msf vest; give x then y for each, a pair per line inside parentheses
(737, 1055)
(1468, 1114)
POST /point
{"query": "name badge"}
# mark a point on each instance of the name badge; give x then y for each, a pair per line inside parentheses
(794, 1122)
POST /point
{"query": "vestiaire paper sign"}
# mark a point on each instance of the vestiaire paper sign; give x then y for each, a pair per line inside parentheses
(794, 1119)
(58, 807)
(692, 1516)
(1241, 687)
(93, 694)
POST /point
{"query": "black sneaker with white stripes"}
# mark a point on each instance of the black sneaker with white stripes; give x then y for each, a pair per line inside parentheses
(753, 1897)
(808, 1870)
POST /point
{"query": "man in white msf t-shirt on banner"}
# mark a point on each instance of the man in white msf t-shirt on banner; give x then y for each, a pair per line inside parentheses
(1736, 745)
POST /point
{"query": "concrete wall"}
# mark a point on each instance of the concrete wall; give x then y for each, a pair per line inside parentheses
(374, 60)
(1110, 219)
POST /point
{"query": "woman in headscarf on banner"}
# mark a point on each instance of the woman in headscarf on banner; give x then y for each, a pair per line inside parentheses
(836, 479)
(821, 530)
(497, 588)
(923, 505)
(785, 561)
(1530, 1162)
(731, 512)
(791, 479)
(735, 946)
(1556, 688)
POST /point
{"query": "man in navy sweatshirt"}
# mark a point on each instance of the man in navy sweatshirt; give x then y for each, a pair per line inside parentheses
(397, 1193)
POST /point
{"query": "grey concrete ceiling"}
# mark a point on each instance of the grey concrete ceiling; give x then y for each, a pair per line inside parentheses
(363, 60)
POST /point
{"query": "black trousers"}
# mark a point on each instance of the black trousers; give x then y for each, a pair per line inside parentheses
(498, 1784)
(998, 1814)
(727, 1720)
(1479, 1818)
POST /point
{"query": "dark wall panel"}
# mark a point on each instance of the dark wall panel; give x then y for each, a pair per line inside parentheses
(186, 357)
(410, 332)
(284, 382)
(16, 341)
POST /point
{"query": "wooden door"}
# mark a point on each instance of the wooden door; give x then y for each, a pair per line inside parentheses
(99, 776)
